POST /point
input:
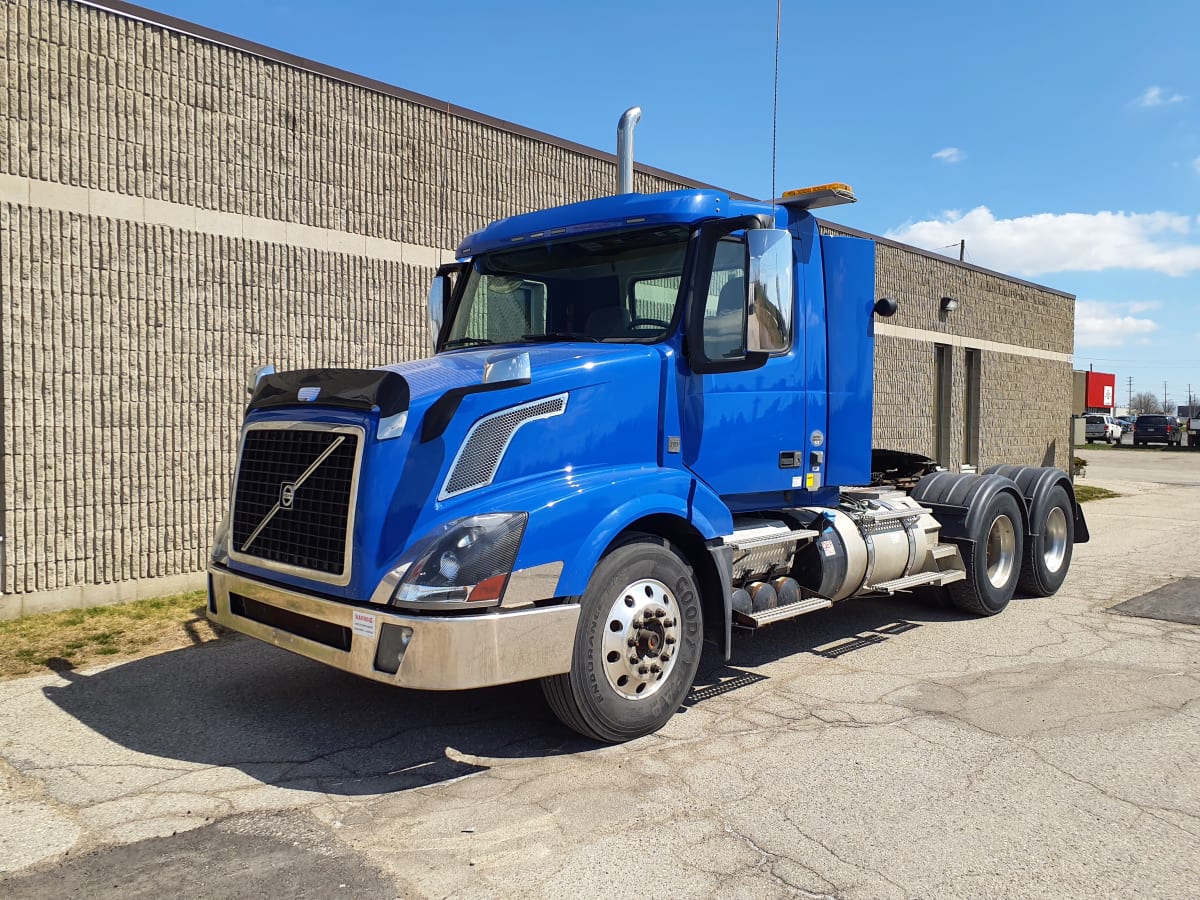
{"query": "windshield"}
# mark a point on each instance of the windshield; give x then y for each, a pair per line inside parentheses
(612, 287)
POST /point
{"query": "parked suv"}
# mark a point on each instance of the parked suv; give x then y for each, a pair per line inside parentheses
(1101, 427)
(1149, 429)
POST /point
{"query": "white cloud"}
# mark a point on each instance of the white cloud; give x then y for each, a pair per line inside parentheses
(1099, 324)
(1138, 306)
(1064, 242)
(1156, 96)
(1196, 164)
(950, 155)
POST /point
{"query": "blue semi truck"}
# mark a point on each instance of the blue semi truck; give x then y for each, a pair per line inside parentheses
(646, 423)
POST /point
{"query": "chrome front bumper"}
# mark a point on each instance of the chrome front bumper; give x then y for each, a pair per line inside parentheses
(443, 653)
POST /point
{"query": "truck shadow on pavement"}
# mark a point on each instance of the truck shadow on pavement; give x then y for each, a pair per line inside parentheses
(296, 724)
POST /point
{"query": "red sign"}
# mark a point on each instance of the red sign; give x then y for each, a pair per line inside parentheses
(1101, 390)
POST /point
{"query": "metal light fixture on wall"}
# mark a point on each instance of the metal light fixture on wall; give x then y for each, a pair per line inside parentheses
(949, 304)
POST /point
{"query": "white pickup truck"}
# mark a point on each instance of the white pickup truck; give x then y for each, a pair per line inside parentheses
(1193, 434)
(1102, 427)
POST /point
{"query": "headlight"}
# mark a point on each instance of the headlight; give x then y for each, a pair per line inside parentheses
(467, 560)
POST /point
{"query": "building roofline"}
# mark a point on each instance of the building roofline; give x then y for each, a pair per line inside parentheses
(855, 232)
(271, 54)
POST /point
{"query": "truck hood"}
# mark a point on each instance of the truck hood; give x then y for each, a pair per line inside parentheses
(430, 378)
(586, 408)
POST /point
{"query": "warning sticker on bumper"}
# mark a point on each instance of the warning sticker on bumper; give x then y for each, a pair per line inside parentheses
(364, 624)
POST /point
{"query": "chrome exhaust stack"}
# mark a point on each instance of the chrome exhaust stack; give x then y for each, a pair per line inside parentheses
(625, 126)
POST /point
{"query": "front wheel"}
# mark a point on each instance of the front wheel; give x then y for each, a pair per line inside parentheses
(637, 646)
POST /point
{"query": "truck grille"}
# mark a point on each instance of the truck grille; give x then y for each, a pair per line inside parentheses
(293, 499)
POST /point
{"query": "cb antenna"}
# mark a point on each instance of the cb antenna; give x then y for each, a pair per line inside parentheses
(775, 104)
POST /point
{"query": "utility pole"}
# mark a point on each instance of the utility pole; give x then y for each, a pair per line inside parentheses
(962, 249)
(1167, 411)
(1129, 404)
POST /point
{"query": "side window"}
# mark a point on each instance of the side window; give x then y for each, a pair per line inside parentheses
(725, 305)
(654, 298)
(507, 308)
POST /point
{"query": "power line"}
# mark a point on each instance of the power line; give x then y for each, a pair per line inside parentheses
(1133, 365)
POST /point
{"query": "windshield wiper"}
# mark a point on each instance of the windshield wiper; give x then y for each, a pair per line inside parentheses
(467, 342)
(559, 336)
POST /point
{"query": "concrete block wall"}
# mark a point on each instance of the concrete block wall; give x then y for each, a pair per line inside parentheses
(176, 209)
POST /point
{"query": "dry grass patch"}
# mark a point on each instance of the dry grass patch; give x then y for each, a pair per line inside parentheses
(1086, 492)
(81, 637)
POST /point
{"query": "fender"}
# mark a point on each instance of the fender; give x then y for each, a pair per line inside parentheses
(958, 499)
(634, 496)
(1035, 483)
(574, 516)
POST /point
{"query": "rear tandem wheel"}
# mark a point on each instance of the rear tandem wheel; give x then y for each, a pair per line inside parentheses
(992, 555)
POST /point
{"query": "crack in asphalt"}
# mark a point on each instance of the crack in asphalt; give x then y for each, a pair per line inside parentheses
(767, 860)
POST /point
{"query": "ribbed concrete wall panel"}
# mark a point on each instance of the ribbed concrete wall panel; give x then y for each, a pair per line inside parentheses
(125, 362)
(106, 102)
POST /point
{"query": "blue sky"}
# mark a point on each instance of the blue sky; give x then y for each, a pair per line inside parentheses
(1060, 140)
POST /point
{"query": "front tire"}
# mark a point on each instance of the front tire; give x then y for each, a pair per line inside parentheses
(637, 646)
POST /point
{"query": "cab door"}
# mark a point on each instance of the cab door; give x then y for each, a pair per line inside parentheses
(744, 401)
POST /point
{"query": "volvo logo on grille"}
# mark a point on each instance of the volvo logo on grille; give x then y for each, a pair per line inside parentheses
(287, 491)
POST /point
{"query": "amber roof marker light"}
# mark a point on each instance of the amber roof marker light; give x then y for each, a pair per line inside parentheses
(818, 196)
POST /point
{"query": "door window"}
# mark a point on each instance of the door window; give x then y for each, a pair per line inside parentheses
(725, 305)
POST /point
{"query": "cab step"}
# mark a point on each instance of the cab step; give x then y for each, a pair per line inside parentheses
(779, 613)
(888, 515)
(918, 580)
(755, 541)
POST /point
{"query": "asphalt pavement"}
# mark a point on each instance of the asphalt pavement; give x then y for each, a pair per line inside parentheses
(877, 749)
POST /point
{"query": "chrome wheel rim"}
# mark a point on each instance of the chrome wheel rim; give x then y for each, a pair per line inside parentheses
(641, 637)
(1054, 544)
(1001, 550)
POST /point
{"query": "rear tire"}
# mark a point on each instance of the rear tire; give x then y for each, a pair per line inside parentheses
(1048, 549)
(992, 556)
(637, 646)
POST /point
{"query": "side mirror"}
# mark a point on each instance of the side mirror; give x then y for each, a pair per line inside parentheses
(769, 300)
(439, 292)
(258, 375)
